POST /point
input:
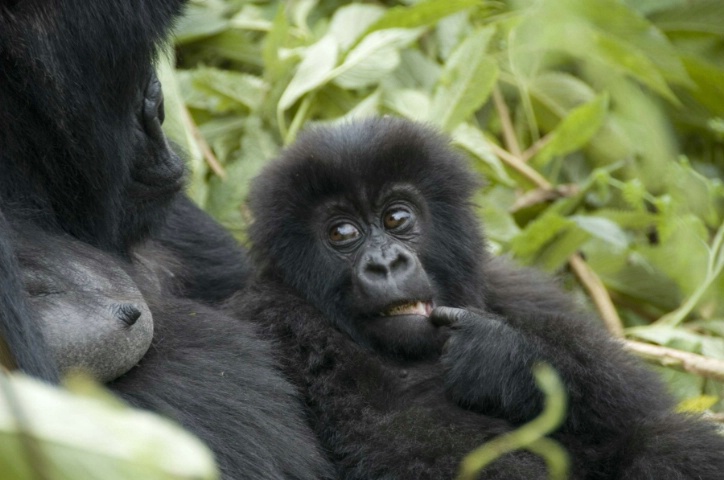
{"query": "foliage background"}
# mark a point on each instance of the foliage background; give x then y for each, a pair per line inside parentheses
(599, 125)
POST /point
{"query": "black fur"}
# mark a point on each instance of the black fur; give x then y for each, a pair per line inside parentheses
(83, 157)
(388, 409)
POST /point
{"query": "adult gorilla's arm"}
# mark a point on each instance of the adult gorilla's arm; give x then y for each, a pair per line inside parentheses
(19, 329)
(211, 265)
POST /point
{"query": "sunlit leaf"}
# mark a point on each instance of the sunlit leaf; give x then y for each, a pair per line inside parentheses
(374, 57)
(703, 16)
(350, 22)
(74, 436)
(421, 14)
(474, 141)
(466, 82)
(314, 71)
(575, 130)
(698, 404)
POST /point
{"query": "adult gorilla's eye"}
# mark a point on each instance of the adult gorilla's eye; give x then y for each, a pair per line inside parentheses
(397, 217)
(153, 111)
(343, 232)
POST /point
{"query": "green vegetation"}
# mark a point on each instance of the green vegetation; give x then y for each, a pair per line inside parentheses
(47, 433)
(598, 123)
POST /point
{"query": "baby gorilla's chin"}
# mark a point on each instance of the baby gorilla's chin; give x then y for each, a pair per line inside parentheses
(407, 335)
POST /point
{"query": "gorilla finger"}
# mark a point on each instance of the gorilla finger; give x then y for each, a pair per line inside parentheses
(446, 316)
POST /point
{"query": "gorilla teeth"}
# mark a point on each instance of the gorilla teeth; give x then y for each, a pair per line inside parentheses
(412, 308)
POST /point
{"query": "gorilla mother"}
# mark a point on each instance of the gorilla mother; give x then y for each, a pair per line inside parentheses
(104, 264)
(412, 345)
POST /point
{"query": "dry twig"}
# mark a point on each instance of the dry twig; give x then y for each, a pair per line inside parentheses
(669, 357)
(209, 156)
(598, 293)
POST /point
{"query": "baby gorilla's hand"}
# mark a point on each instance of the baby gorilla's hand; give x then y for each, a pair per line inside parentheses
(488, 364)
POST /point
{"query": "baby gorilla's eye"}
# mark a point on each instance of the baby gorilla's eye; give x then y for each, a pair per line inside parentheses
(397, 218)
(343, 232)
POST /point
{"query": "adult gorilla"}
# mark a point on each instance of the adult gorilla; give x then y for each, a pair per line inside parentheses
(365, 238)
(96, 238)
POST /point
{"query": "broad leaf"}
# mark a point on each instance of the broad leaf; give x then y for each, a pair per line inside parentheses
(466, 82)
(313, 72)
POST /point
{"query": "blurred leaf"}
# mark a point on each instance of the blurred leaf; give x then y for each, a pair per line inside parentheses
(466, 81)
(272, 45)
(474, 141)
(705, 16)
(408, 103)
(709, 81)
(199, 22)
(604, 229)
(537, 234)
(416, 71)
(555, 254)
(350, 22)
(313, 72)
(574, 131)
(421, 14)
(604, 32)
(231, 89)
(227, 195)
(374, 57)
(73, 436)
(561, 92)
(494, 208)
(698, 404)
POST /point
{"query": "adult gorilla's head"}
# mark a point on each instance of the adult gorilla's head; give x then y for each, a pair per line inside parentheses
(81, 149)
(369, 237)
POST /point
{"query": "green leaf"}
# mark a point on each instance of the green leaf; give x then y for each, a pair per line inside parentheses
(574, 131)
(272, 45)
(555, 254)
(415, 71)
(699, 404)
(232, 89)
(701, 16)
(601, 33)
(561, 92)
(494, 209)
(314, 71)
(603, 229)
(200, 22)
(421, 14)
(350, 22)
(77, 436)
(408, 103)
(374, 57)
(474, 141)
(465, 83)
(621, 55)
(709, 81)
(538, 234)
(226, 196)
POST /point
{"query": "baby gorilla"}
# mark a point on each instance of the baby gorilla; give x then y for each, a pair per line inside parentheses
(412, 345)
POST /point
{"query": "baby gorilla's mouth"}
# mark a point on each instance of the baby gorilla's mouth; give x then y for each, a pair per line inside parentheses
(409, 308)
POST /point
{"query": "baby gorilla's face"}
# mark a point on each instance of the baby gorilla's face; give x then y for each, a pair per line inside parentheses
(389, 297)
(371, 223)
